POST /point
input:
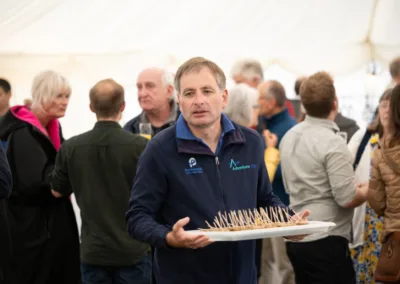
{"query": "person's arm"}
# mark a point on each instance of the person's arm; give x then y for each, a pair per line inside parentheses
(265, 196)
(271, 158)
(147, 197)
(32, 182)
(271, 154)
(354, 143)
(376, 193)
(6, 181)
(61, 185)
(339, 167)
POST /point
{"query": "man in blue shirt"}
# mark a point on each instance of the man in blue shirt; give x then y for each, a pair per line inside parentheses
(189, 172)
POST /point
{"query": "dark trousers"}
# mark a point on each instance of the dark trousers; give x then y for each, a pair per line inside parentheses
(141, 273)
(325, 261)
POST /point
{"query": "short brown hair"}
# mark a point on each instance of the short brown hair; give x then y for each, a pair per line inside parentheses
(107, 98)
(394, 67)
(196, 64)
(317, 94)
(297, 85)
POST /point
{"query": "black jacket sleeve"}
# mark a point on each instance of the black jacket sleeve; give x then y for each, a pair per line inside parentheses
(30, 168)
(60, 178)
(6, 182)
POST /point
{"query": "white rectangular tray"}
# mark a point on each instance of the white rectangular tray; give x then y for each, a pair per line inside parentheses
(311, 228)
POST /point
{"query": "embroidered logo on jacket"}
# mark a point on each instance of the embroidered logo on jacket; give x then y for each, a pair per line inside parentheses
(237, 166)
(193, 170)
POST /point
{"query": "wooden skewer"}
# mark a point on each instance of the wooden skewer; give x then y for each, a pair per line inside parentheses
(248, 219)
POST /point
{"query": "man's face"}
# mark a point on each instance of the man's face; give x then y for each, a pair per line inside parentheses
(152, 93)
(397, 79)
(241, 79)
(200, 99)
(4, 98)
(266, 104)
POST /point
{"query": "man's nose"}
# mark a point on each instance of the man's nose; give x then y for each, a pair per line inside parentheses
(142, 92)
(199, 98)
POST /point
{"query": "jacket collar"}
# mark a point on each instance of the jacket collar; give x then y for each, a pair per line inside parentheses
(188, 143)
(172, 115)
(107, 124)
(322, 122)
(275, 119)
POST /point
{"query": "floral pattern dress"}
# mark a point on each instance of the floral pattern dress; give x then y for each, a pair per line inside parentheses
(365, 257)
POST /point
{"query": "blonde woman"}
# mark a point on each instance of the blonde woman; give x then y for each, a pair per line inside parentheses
(42, 229)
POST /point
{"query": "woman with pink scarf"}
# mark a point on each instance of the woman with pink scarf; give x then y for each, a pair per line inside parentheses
(43, 235)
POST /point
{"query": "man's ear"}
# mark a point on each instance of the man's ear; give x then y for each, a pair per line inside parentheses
(91, 108)
(224, 98)
(335, 106)
(122, 107)
(170, 90)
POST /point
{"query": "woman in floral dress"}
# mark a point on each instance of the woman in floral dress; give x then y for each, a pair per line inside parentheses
(367, 225)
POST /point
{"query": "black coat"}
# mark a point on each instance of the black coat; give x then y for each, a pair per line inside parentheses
(41, 230)
(5, 190)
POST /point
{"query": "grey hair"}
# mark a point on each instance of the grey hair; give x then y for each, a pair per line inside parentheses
(46, 86)
(240, 104)
(168, 80)
(249, 68)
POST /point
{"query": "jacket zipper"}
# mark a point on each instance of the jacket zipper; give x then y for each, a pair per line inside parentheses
(224, 210)
(220, 184)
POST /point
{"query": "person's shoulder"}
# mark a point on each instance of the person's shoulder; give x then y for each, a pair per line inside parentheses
(76, 139)
(166, 136)
(130, 123)
(251, 136)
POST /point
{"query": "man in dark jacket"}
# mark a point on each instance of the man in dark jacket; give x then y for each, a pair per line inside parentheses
(99, 168)
(156, 97)
(6, 183)
(347, 125)
(189, 172)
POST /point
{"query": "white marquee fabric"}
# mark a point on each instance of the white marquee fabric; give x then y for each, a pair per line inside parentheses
(89, 40)
(93, 39)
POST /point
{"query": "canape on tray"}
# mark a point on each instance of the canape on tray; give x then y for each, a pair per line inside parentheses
(254, 219)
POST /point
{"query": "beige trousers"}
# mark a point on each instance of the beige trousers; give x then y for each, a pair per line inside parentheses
(275, 264)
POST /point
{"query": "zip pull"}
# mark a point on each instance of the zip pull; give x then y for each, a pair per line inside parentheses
(217, 161)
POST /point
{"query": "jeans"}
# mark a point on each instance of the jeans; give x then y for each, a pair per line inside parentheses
(140, 273)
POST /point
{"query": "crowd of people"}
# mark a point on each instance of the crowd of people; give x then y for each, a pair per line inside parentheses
(140, 187)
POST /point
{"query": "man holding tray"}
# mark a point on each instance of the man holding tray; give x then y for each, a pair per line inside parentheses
(203, 165)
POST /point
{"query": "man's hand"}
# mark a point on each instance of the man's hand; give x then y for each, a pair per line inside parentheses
(270, 139)
(302, 216)
(178, 238)
(363, 188)
(56, 194)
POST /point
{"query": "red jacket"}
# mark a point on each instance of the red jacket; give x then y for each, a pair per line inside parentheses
(290, 108)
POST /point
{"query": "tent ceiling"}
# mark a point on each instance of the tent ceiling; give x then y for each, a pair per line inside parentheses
(302, 36)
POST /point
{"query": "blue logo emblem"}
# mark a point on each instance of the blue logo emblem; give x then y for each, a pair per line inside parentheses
(193, 170)
(237, 166)
(192, 162)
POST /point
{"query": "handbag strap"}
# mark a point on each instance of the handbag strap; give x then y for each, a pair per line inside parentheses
(361, 148)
